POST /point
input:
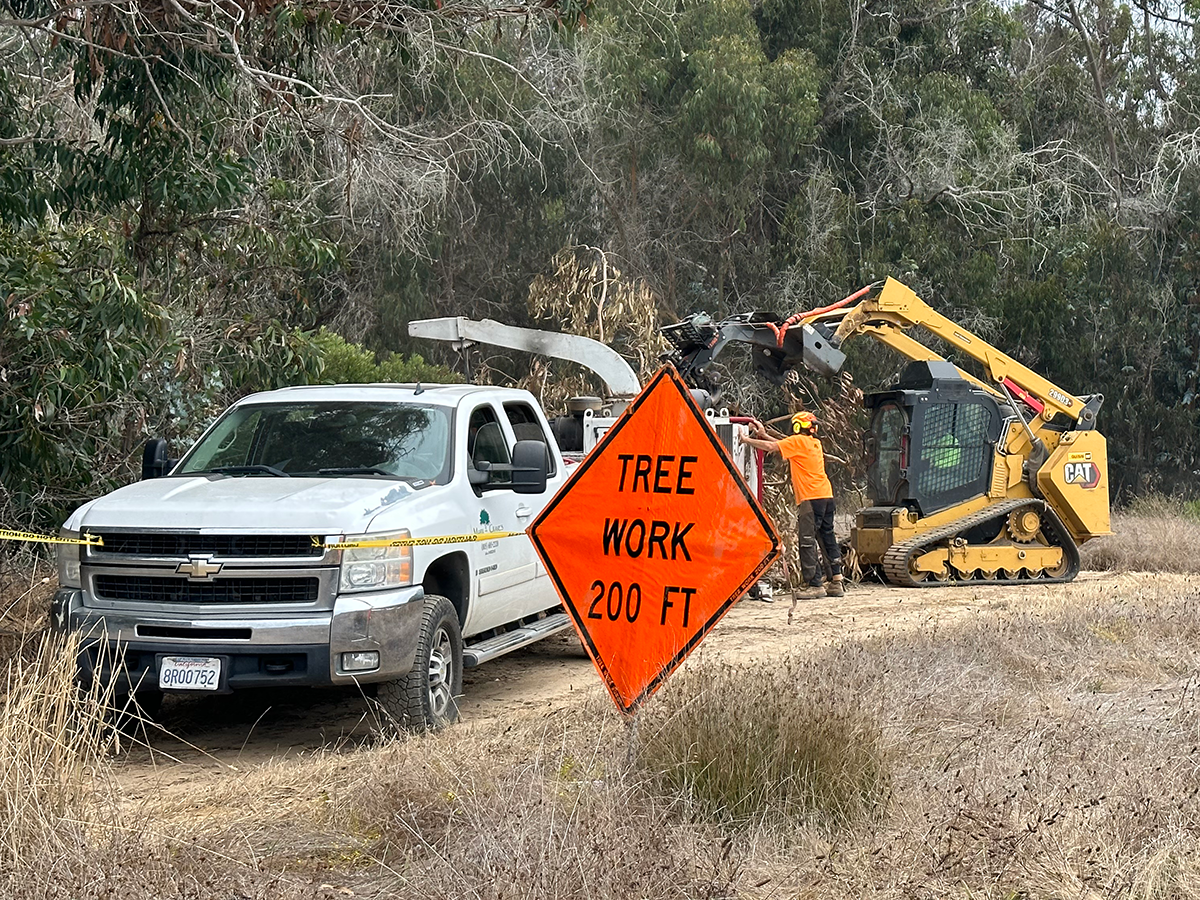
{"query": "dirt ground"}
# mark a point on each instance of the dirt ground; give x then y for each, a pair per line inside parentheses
(222, 737)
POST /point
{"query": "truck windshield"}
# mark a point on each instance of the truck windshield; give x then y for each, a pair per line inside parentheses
(319, 440)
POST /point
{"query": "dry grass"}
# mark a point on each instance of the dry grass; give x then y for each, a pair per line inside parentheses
(63, 830)
(1042, 751)
(1156, 534)
(550, 812)
(1047, 747)
(55, 837)
(50, 743)
(801, 740)
(1048, 752)
(537, 810)
(25, 592)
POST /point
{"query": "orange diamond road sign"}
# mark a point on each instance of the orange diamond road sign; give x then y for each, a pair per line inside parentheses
(652, 540)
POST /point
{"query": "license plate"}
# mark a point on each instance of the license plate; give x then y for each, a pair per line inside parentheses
(189, 673)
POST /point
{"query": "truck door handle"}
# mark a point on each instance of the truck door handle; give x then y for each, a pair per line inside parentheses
(524, 512)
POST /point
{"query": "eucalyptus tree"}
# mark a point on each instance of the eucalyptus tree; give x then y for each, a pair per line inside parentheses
(1030, 167)
(191, 187)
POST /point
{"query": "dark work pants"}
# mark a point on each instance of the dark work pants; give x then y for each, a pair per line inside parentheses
(814, 523)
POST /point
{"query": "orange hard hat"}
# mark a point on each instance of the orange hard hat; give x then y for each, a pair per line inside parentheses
(803, 422)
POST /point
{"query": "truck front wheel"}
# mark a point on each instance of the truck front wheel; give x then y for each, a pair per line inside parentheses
(427, 697)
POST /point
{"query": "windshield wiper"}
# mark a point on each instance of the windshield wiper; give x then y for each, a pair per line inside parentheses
(355, 470)
(249, 470)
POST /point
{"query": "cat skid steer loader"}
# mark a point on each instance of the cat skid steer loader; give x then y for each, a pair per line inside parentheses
(982, 480)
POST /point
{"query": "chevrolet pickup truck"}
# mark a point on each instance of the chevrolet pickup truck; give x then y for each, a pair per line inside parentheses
(227, 569)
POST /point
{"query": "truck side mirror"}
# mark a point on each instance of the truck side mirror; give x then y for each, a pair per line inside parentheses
(155, 463)
(529, 466)
(479, 473)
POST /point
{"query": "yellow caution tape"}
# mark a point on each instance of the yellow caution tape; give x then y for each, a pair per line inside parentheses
(91, 540)
(94, 540)
(418, 542)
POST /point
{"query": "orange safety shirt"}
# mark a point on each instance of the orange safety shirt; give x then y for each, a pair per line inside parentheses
(807, 462)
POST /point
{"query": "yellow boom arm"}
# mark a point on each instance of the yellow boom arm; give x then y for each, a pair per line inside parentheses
(897, 308)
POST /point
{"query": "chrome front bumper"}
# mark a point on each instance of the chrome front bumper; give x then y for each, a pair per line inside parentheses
(386, 621)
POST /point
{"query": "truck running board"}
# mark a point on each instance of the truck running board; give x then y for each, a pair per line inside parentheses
(492, 647)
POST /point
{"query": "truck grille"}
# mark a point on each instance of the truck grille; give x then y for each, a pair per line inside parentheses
(152, 543)
(153, 589)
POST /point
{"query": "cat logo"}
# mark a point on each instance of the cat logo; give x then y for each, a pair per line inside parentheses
(1084, 474)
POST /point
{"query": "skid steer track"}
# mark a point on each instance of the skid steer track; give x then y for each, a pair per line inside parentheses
(898, 559)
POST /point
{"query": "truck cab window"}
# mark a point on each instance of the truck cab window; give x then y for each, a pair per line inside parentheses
(314, 440)
(526, 427)
(231, 441)
(486, 443)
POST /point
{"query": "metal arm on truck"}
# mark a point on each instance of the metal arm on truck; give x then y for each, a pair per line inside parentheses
(606, 362)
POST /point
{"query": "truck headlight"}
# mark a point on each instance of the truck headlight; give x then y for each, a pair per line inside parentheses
(68, 560)
(376, 568)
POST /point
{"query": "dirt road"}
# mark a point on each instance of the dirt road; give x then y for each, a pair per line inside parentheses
(214, 737)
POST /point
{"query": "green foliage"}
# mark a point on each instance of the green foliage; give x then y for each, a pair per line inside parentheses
(738, 108)
(76, 344)
(812, 25)
(723, 117)
(19, 200)
(161, 157)
(1030, 173)
(793, 83)
(90, 367)
(345, 363)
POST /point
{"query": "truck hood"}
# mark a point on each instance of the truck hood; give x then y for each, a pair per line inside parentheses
(237, 504)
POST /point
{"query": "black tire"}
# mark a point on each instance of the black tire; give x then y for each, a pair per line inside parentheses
(427, 697)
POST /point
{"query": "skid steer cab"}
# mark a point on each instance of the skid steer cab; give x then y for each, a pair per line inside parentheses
(957, 490)
(931, 440)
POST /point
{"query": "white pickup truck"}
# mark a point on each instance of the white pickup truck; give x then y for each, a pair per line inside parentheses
(216, 571)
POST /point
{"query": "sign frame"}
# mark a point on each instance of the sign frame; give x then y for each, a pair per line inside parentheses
(629, 706)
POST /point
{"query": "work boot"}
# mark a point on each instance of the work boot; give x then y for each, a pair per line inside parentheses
(810, 592)
(836, 587)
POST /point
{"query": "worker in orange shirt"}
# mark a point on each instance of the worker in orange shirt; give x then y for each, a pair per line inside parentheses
(814, 501)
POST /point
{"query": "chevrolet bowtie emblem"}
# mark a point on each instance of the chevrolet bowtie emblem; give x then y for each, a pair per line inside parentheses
(199, 567)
